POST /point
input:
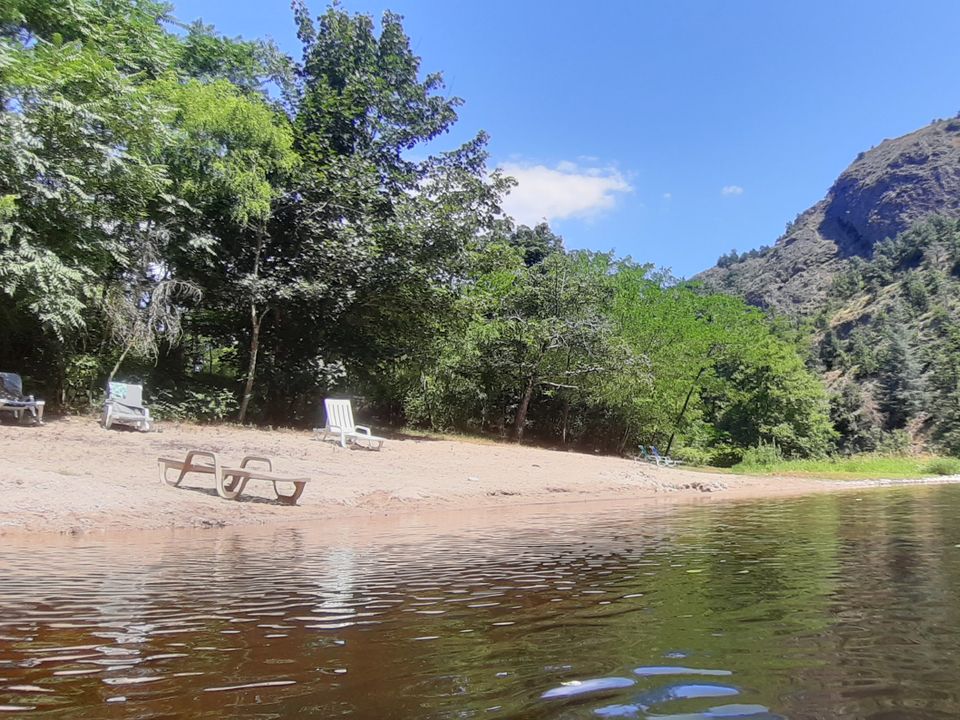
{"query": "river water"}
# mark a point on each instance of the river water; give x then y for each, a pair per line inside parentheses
(838, 605)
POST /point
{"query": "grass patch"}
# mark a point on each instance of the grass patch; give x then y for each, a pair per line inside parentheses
(943, 466)
(858, 467)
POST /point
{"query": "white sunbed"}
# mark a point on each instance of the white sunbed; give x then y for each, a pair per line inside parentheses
(231, 481)
(340, 424)
(124, 406)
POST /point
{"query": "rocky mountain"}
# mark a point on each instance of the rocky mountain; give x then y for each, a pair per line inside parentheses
(884, 192)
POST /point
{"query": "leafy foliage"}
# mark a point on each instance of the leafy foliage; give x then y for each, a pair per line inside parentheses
(198, 405)
(582, 348)
(763, 455)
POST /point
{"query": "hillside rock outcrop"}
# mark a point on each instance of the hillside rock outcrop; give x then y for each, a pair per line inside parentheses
(886, 190)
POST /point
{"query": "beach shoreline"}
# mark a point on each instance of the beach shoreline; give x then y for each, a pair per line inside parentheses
(71, 477)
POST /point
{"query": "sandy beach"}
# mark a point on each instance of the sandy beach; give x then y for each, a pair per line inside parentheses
(70, 476)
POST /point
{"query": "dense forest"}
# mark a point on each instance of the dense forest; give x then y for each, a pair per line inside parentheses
(889, 342)
(246, 233)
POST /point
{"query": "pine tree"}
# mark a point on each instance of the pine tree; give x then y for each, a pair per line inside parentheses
(902, 392)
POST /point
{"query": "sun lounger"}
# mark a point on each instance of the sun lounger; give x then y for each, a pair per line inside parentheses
(124, 406)
(644, 455)
(663, 459)
(340, 424)
(13, 400)
(230, 481)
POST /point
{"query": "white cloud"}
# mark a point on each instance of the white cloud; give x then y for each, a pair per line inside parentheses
(567, 190)
(731, 190)
(667, 196)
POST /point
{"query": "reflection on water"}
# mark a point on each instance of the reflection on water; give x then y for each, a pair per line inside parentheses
(833, 606)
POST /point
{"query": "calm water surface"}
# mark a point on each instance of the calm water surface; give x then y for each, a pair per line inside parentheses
(833, 606)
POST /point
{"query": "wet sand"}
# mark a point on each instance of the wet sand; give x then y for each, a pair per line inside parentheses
(70, 476)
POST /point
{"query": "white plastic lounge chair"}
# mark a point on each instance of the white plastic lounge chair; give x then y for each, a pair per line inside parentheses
(663, 459)
(231, 480)
(340, 424)
(124, 406)
(14, 401)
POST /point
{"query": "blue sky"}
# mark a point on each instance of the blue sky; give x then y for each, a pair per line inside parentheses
(668, 130)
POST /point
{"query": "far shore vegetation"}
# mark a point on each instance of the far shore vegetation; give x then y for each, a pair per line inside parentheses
(865, 466)
(861, 466)
(246, 233)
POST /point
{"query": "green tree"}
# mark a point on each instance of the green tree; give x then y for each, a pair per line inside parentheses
(78, 128)
(769, 396)
(376, 238)
(902, 394)
(850, 419)
(533, 329)
(233, 155)
(252, 66)
(537, 243)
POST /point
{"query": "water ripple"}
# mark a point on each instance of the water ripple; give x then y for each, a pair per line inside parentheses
(819, 607)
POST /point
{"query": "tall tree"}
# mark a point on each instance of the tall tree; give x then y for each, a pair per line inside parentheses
(229, 166)
(902, 390)
(377, 238)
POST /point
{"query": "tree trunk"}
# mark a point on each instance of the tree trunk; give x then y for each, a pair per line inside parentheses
(521, 417)
(101, 350)
(686, 402)
(255, 322)
(566, 400)
(119, 362)
(426, 400)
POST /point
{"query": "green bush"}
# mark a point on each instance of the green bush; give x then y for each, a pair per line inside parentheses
(943, 466)
(693, 455)
(895, 442)
(725, 455)
(762, 455)
(81, 391)
(195, 405)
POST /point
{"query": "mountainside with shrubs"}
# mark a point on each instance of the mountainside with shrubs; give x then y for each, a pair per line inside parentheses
(872, 274)
(888, 340)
